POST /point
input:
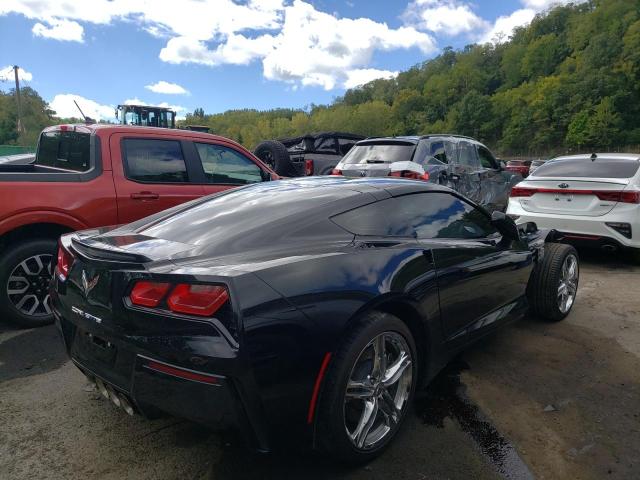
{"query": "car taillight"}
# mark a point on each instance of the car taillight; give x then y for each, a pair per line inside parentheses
(65, 260)
(522, 192)
(630, 196)
(335, 171)
(308, 167)
(148, 294)
(188, 299)
(410, 174)
(201, 300)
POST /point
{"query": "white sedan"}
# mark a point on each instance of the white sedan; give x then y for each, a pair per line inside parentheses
(589, 199)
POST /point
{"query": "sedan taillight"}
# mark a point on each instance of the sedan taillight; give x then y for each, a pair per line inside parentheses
(629, 196)
(336, 171)
(410, 174)
(65, 261)
(188, 299)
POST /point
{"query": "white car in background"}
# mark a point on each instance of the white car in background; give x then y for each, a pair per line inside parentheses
(589, 199)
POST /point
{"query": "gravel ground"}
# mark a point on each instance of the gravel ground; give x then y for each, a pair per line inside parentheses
(535, 400)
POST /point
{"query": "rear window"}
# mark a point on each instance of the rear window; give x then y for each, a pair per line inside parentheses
(379, 153)
(585, 167)
(65, 150)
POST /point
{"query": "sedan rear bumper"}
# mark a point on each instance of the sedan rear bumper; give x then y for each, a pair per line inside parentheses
(585, 229)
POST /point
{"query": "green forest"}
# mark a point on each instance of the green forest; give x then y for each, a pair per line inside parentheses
(569, 81)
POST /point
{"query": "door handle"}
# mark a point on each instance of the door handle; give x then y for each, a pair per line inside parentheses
(145, 196)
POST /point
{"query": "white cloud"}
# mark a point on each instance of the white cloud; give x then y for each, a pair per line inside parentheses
(315, 48)
(7, 74)
(504, 26)
(167, 88)
(236, 50)
(447, 17)
(64, 30)
(540, 5)
(65, 108)
(358, 77)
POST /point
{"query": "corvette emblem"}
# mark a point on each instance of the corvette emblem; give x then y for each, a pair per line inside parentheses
(88, 285)
(563, 185)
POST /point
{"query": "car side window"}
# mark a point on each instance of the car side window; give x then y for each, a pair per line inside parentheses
(422, 215)
(154, 161)
(487, 160)
(467, 155)
(438, 151)
(325, 144)
(225, 165)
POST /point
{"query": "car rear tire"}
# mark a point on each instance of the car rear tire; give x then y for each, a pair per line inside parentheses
(276, 156)
(553, 284)
(368, 389)
(25, 273)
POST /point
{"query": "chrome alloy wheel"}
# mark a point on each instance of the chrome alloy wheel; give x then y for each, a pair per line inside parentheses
(378, 389)
(28, 285)
(568, 283)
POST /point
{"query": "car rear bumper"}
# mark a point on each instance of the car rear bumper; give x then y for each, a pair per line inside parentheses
(584, 229)
(154, 386)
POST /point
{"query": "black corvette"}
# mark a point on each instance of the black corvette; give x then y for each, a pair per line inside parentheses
(300, 309)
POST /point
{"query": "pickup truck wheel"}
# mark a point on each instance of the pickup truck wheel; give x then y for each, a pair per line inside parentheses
(368, 389)
(276, 156)
(553, 284)
(25, 274)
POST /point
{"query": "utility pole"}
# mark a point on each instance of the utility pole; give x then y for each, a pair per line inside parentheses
(15, 71)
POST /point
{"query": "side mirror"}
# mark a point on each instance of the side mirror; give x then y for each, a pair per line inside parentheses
(505, 225)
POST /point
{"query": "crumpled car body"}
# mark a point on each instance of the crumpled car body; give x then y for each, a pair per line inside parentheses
(459, 162)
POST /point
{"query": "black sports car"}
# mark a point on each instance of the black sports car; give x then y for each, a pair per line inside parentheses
(299, 309)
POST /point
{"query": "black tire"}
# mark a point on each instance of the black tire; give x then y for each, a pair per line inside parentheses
(276, 156)
(11, 259)
(543, 289)
(331, 421)
(635, 255)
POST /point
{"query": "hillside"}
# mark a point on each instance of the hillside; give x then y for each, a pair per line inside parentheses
(569, 81)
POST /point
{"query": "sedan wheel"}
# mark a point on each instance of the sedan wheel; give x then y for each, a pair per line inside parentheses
(568, 283)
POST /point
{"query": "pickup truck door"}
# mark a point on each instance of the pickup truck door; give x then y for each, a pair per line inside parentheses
(151, 173)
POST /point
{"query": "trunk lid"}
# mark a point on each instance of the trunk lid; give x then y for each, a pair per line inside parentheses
(571, 196)
(367, 169)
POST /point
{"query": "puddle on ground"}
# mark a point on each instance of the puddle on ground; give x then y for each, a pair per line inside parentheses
(446, 398)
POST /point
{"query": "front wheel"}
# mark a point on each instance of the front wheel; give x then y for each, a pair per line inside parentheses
(368, 389)
(553, 285)
(25, 275)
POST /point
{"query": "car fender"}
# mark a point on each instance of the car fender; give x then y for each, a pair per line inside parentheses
(40, 216)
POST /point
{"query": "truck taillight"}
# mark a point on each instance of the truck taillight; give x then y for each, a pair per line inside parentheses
(65, 261)
(308, 167)
(410, 174)
(189, 299)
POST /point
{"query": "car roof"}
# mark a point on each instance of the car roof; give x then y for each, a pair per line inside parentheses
(601, 156)
(416, 138)
(94, 128)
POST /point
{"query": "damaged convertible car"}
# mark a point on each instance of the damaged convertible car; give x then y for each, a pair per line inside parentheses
(300, 311)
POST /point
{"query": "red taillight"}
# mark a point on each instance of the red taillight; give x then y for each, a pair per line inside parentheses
(335, 171)
(201, 300)
(630, 196)
(308, 167)
(410, 174)
(65, 260)
(148, 294)
(522, 192)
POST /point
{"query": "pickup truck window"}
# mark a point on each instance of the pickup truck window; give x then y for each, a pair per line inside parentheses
(487, 159)
(154, 161)
(225, 165)
(64, 150)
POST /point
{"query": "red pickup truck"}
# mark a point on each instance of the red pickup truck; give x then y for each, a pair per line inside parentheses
(86, 176)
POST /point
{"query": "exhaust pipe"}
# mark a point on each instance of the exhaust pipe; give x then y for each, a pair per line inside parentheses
(608, 247)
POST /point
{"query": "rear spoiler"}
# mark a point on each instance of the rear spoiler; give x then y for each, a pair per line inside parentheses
(103, 252)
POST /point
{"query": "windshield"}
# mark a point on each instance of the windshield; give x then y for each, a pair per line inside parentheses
(379, 153)
(585, 167)
(65, 150)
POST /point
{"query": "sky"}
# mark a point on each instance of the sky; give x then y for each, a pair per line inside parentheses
(225, 54)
